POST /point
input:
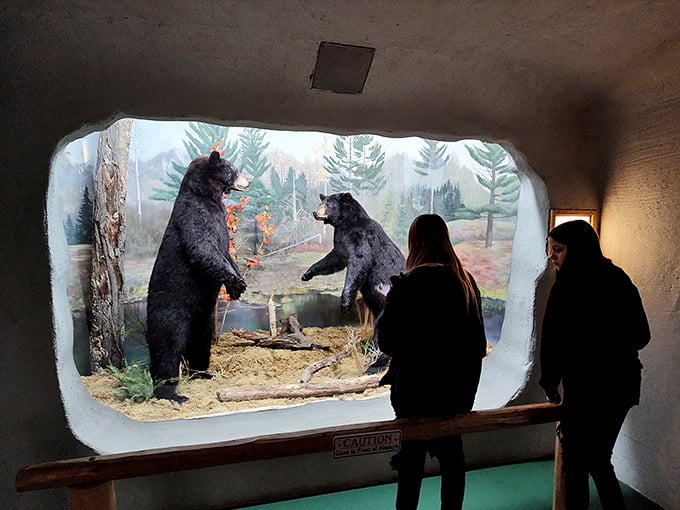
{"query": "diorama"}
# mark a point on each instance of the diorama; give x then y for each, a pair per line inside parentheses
(301, 327)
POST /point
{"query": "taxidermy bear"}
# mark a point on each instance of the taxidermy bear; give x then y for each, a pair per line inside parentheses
(193, 262)
(361, 245)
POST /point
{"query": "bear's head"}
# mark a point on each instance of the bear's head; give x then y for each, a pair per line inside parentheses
(338, 208)
(213, 176)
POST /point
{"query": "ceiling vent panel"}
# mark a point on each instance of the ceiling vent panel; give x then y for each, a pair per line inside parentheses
(342, 68)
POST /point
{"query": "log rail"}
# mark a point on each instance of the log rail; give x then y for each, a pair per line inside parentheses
(89, 480)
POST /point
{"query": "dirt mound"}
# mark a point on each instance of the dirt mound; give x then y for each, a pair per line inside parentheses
(237, 362)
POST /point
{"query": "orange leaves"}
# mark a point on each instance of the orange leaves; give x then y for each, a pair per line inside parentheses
(250, 262)
(223, 294)
(217, 147)
(232, 247)
(266, 229)
(232, 225)
(262, 221)
(232, 216)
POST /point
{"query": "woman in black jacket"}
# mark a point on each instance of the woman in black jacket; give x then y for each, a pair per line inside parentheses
(432, 327)
(593, 328)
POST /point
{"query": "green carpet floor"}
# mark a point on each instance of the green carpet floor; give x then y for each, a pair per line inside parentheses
(525, 486)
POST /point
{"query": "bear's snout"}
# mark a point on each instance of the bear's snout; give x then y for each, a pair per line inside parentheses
(240, 183)
(320, 213)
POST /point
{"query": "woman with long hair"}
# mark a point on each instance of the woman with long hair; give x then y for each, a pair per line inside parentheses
(593, 327)
(432, 327)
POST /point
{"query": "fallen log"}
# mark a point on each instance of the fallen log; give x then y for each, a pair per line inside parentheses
(290, 336)
(308, 372)
(249, 335)
(292, 341)
(302, 390)
(290, 325)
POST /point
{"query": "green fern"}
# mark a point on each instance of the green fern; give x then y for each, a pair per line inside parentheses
(135, 383)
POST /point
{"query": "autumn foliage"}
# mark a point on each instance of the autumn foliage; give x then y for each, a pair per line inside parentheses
(263, 224)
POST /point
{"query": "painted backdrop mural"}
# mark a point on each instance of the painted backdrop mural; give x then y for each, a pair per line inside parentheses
(473, 185)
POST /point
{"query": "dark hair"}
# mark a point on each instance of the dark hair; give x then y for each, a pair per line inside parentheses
(582, 242)
(429, 242)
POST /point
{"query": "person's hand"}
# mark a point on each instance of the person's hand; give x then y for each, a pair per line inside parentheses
(553, 397)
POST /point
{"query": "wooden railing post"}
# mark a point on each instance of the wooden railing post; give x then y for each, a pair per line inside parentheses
(90, 479)
(559, 502)
(100, 496)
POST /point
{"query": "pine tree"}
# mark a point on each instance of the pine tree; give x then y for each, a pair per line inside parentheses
(83, 231)
(290, 197)
(420, 198)
(201, 139)
(447, 201)
(254, 166)
(433, 158)
(500, 178)
(357, 164)
(387, 217)
(439, 198)
(457, 200)
(405, 215)
(70, 231)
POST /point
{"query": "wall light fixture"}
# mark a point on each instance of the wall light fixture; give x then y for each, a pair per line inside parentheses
(559, 216)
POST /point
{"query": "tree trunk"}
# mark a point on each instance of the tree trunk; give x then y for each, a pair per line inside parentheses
(489, 220)
(488, 242)
(106, 282)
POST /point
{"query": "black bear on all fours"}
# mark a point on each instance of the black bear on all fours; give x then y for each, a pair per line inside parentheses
(193, 262)
(361, 245)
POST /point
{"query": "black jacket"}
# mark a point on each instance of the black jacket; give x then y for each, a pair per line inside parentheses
(593, 328)
(436, 345)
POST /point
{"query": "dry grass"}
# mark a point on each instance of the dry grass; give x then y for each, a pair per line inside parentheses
(238, 362)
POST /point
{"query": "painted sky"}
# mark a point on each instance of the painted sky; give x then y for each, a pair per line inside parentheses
(153, 137)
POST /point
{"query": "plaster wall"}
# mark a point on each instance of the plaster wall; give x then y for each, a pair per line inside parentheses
(639, 231)
(35, 312)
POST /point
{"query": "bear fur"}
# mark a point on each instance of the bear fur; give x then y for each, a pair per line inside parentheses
(193, 262)
(361, 245)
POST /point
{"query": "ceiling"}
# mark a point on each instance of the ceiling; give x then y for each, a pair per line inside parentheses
(454, 68)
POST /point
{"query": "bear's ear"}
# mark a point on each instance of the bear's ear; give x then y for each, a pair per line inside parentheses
(214, 157)
(322, 196)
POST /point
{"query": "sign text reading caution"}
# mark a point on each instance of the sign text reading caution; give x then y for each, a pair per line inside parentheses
(365, 444)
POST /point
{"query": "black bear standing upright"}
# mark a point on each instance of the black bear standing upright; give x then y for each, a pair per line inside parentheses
(361, 245)
(192, 264)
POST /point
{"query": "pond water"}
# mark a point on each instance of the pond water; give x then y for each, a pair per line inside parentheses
(314, 309)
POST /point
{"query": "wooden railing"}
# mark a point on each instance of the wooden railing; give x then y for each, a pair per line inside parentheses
(89, 480)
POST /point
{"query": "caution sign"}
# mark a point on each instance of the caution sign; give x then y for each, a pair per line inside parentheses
(366, 444)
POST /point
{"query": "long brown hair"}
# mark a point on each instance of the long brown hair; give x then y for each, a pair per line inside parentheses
(583, 247)
(429, 243)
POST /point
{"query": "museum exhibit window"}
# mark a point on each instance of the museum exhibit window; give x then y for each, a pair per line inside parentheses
(494, 205)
